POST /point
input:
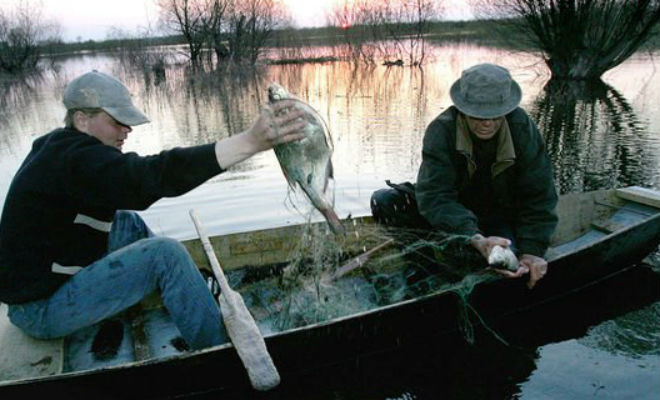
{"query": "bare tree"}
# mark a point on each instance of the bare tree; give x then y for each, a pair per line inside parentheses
(407, 22)
(215, 21)
(580, 39)
(138, 51)
(23, 30)
(186, 17)
(251, 24)
(365, 32)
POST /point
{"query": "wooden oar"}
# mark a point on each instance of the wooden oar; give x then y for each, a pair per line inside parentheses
(242, 329)
(358, 261)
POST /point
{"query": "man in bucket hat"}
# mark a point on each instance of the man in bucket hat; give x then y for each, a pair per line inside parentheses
(70, 253)
(485, 172)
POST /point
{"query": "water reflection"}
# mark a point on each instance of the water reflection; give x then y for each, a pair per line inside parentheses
(19, 109)
(631, 335)
(376, 115)
(16, 92)
(594, 137)
(16, 95)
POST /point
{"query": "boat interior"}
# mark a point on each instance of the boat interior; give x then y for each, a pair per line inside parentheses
(147, 332)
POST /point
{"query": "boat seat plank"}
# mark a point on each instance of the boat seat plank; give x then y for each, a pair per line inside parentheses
(628, 215)
(642, 209)
(140, 343)
(641, 195)
(588, 238)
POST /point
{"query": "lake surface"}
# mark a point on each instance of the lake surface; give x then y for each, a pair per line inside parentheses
(598, 136)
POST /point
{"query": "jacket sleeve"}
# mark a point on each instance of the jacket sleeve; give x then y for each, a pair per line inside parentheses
(106, 177)
(536, 196)
(436, 189)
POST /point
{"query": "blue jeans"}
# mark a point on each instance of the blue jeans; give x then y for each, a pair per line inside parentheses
(137, 264)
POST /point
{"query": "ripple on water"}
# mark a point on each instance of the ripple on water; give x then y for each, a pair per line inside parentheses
(634, 334)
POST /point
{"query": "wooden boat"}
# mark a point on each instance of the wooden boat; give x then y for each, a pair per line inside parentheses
(600, 234)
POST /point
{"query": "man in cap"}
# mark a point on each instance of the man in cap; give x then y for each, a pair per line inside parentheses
(485, 172)
(71, 256)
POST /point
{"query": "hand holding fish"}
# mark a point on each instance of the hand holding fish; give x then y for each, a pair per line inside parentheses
(500, 259)
(276, 126)
(485, 244)
(273, 126)
(536, 266)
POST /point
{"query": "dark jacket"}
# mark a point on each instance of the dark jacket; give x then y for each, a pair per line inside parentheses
(522, 183)
(61, 204)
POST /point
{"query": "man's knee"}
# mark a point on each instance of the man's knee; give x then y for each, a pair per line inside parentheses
(126, 215)
(168, 255)
(396, 208)
(168, 246)
(127, 227)
(382, 204)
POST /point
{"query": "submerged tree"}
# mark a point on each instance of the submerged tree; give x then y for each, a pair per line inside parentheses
(235, 30)
(580, 39)
(251, 25)
(393, 30)
(185, 17)
(215, 23)
(22, 31)
(359, 31)
(407, 22)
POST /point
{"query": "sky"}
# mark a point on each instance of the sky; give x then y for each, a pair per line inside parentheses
(92, 19)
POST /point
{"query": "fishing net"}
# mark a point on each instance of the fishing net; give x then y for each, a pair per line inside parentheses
(308, 296)
(420, 264)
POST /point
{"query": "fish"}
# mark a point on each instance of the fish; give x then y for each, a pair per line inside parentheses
(503, 257)
(307, 162)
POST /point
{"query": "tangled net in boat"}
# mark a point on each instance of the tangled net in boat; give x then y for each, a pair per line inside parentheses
(423, 263)
(308, 295)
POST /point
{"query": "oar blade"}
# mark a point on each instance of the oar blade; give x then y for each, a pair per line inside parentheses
(240, 325)
(250, 345)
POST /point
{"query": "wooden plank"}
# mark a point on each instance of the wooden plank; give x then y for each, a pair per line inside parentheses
(607, 226)
(650, 197)
(577, 211)
(275, 245)
(622, 219)
(135, 315)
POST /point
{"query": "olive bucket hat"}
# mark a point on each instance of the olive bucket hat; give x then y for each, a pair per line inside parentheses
(485, 91)
(98, 90)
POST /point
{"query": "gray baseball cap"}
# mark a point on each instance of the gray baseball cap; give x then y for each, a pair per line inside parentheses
(98, 90)
(486, 91)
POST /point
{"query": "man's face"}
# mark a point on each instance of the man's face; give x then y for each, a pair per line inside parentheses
(484, 128)
(105, 128)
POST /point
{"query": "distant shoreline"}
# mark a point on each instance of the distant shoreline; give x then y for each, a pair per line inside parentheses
(482, 32)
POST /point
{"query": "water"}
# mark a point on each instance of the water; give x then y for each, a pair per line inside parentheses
(598, 137)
